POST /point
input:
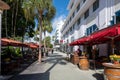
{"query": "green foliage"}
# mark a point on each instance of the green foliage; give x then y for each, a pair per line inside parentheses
(11, 51)
(14, 21)
(50, 46)
(48, 42)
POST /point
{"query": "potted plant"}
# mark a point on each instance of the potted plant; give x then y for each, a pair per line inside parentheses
(115, 59)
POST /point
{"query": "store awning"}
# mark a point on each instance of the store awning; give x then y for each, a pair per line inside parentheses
(4, 5)
(105, 35)
(101, 36)
(10, 42)
(81, 41)
(33, 46)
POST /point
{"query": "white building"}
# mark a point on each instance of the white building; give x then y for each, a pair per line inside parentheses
(57, 39)
(88, 16)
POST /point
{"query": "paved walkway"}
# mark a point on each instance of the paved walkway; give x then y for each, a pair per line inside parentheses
(55, 67)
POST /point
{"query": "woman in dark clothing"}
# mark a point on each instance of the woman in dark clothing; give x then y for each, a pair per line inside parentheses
(52, 51)
(79, 52)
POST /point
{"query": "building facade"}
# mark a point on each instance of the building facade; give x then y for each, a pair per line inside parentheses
(57, 38)
(88, 16)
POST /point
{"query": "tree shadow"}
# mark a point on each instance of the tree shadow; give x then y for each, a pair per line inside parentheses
(98, 76)
(36, 76)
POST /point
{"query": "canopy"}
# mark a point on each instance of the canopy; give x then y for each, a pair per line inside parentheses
(3, 5)
(10, 42)
(101, 36)
(107, 34)
(33, 45)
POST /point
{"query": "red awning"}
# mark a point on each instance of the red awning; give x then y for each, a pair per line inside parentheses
(80, 41)
(104, 35)
(101, 36)
(33, 45)
(10, 42)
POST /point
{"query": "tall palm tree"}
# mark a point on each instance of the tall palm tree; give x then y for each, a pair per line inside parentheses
(47, 27)
(40, 8)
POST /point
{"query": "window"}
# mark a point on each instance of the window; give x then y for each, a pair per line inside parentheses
(70, 29)
(95, 5)
(79, 21)
(72, 38)
(84, 1)
(71, 5)
(86, 14)
(73, 14)
(117, 19)
(78, 7)
(73, 26)
(91, 29)
(70, 18)
(117, 16)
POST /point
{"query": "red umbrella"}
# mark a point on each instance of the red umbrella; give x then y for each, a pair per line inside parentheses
(111, 33)
(10, 42)
(81, 41)
(106, 34)
(33, 45)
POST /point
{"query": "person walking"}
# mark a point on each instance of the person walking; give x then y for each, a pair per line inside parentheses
(52, 51)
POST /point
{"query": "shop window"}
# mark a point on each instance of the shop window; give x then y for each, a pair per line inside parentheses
(95, 5)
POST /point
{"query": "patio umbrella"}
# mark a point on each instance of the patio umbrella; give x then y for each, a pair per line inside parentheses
(32, 45)
(81, 41)
(3, 5)
(10, 42)
(111, 33)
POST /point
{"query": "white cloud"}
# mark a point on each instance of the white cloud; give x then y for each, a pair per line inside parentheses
(58, 23)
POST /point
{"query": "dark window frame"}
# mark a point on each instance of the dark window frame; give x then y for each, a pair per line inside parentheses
(78, 7)
(95, 5)
(84, 1)
(86, 14)
(91, 29)
(78, 21)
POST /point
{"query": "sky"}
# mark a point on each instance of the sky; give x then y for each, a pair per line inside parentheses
(61, 13)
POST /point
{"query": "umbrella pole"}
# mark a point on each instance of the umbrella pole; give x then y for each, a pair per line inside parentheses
(94, 52)
(113, 46)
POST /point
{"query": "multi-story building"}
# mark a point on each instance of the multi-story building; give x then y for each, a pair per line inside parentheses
(88, 16)
(57, 38)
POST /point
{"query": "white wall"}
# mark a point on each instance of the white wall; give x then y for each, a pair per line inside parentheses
(101, 17)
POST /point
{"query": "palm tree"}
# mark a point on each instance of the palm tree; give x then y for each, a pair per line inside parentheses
(47, 27)
(40, 8)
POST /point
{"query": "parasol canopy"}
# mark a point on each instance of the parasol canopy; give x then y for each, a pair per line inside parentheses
(10, 42)
(3, 5)
(101, 36)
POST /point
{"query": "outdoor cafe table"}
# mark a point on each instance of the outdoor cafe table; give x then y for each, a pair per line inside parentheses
(111, 71)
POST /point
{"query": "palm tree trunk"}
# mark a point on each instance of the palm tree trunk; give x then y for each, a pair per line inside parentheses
(40, 33)
(6, 24)
(45, 44)
(15, 17)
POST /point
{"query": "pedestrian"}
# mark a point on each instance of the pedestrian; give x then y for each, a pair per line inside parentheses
(52, 51)
(68, 53)
(79, 52)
